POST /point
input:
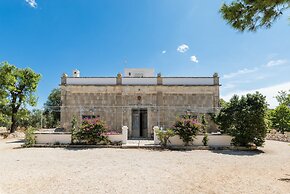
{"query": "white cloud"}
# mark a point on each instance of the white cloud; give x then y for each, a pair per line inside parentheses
(163, 52)
(270, 93)
(240, 72)
(32, 3)
(276, 63)
(193, 59)
(183, 48)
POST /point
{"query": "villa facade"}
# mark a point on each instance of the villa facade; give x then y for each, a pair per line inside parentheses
(139, 99)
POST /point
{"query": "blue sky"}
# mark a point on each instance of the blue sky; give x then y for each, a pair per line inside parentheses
(175, 37)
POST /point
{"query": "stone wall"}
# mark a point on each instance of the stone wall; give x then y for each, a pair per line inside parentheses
(275, 135)
(114, 104)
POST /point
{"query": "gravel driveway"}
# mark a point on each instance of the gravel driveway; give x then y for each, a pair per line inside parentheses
(58, 170)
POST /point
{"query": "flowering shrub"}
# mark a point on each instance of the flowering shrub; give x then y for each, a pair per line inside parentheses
(187, 128)
(92, 131)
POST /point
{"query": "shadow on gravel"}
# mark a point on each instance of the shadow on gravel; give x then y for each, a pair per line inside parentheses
(238, 152)
(284, 179)
(16, 141)
(77, 149)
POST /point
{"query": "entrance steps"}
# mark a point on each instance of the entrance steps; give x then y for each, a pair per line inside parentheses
(139, 143)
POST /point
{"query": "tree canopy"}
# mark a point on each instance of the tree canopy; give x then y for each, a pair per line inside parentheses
(52, 108)
(244, 119)
(17, 89)
(283, 98)
(250, 15)
(280, 116)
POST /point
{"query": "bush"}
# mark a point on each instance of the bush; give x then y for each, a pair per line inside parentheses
(245, 119)
(92, 131)
(29, 136)
(164, 135)
(74, 124)
(204, 123)
(187, 128)
(205, 139)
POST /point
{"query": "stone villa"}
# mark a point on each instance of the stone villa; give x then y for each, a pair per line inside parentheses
(139, 99)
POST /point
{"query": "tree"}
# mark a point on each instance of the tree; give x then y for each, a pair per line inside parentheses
(17, 88)
(283, 98)
(280, 118)
(52, 108)
(253, 14)
(4, 120)
(244, 119)
(35, 118)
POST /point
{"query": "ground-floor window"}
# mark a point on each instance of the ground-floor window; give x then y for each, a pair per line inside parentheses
(88, 117)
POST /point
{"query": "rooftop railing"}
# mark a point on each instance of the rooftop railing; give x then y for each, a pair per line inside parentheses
(188, 81)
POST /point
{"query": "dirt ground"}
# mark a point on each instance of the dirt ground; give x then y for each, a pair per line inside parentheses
(59, 170)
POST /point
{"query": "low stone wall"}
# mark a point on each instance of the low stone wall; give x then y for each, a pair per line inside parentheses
(65, 137)
(275, 135)
(213, 140)
(219, 140)
(52, 138)
(115, 138)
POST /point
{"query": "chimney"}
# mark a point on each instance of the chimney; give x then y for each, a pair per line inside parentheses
(76, 73)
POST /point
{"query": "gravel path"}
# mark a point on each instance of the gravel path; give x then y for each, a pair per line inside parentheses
(48, 170)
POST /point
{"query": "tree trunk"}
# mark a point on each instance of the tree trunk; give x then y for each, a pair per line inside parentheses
(13, 122)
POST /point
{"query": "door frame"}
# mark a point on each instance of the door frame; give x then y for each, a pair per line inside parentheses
(142, 131)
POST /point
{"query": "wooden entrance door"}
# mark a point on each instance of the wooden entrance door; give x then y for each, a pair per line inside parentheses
(139, 123)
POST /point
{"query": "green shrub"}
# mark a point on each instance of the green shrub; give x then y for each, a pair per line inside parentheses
(245, 119)
(73, 129)
(205, 139)
(164, 135)
(187, 128)
(29, 136)
(92, 131)
(280, 118)
(204, 123)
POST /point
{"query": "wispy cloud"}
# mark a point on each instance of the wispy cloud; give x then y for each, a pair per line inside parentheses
(240, 72)
(163, 52)
(193, 59)
(229, 86)
(270, 92)
(31, 3)
(276, 63)
(182, 48)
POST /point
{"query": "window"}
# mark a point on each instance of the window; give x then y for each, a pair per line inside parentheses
(88, 116)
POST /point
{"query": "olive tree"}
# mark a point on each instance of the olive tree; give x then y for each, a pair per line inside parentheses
(17, 89)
